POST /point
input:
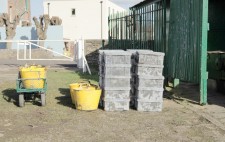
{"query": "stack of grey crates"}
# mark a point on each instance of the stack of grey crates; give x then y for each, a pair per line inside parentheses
(114, 79)
(148, 80)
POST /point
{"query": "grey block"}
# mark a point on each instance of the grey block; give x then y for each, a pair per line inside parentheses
(116, 94)
(134, 54)
(146, 81)
(116, 81)
(100, 81)
(151, 58)
(117, 57)
(116, 70)
(149, 70)
(133, 69)
(116, 105)
(148, 106)
(132, 97)
(101, 52)
(100, 70)
(154, 95)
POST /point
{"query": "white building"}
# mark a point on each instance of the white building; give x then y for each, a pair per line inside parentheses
(87, 19)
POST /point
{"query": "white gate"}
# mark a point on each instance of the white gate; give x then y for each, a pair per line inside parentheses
(25, 47)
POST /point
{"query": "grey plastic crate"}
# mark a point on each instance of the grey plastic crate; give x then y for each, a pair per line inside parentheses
(151, 58)
(133, 69)
(100, 58)
(134, 54)
(133, 79)
(149, 81)
(149, 70)
(116, 105)
(100, 67)
(116, 94)
(148, 106)
(132, 97)
(116, 81)
(150, 95)
(101, 52)
(117, 57)
(116, 70)
(100, 82)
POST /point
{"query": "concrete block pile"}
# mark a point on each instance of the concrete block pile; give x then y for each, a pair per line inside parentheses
(114, 79)
(148, 80)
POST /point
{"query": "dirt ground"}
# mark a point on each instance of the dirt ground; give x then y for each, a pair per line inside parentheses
(58, 121)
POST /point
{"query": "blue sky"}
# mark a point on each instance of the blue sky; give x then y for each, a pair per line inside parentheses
(37, 5)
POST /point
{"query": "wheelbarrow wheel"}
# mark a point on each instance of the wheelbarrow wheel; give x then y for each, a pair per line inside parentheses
(43, 101)
(21, 100)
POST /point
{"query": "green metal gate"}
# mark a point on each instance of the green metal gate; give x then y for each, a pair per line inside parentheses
(145, 27)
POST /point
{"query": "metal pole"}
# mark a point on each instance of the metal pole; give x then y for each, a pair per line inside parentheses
(48, 8)
(18, 50)
(101, 19)
(25, 52)
(30, 50)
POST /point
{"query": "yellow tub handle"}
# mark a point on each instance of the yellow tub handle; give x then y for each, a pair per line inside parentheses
(84, 81)
(87, 83)
(84, 85)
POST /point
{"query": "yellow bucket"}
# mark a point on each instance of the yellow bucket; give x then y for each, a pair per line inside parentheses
(74, 86)
(33, 76)
(72, 92)
(87, 97)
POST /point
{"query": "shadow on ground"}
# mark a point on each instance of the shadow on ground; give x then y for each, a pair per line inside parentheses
(65, 99)
(190, 93)
(10, 95)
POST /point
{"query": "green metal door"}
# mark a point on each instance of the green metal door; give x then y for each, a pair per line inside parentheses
(187, 51)
(216, 38)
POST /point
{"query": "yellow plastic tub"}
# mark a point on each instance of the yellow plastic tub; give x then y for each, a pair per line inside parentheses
(72, 92)
(74, 86)
(33, 76)
(87, 97)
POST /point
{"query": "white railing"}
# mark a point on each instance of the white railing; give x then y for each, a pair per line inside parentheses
(29, 43)
(79, 56)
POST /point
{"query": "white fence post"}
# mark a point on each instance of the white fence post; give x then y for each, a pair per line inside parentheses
(80, 62)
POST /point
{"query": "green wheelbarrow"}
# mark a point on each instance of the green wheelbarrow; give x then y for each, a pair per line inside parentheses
(30, 89)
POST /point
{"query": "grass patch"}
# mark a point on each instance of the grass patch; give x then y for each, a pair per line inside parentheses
(58, 86)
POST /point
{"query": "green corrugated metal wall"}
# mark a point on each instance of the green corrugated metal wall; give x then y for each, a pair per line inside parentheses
(187, 54)
(185, 40)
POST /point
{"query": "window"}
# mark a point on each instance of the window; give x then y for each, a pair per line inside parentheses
(73, 12)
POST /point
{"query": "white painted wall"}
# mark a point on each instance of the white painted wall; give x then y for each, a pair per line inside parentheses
(86, 23)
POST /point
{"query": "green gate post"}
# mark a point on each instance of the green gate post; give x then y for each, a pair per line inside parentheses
(204, 74)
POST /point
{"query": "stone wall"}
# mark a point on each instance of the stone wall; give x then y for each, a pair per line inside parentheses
(91, 50)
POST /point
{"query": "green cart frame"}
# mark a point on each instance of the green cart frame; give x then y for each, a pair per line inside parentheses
(23, 92)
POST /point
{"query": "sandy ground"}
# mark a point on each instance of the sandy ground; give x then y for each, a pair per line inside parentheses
(59, 121)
